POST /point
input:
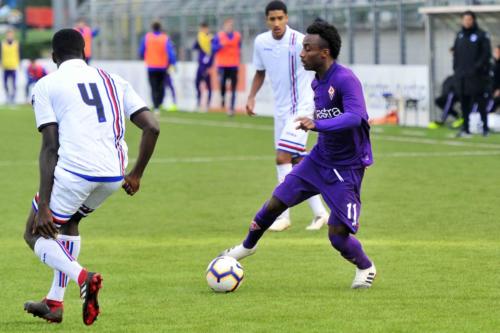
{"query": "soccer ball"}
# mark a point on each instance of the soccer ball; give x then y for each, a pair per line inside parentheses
(224, 274)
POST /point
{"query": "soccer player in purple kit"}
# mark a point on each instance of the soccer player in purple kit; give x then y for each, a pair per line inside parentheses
(336, 165)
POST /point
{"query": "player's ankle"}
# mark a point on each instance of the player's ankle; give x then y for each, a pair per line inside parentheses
(82, 277)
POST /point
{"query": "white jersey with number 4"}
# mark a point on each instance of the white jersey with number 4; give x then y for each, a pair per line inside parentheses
(89, 107)
(290, 82)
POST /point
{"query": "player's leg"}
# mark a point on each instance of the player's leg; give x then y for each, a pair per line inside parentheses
(283, 168)
(52, 253)
(51, 307)
(197, 83)
(222, 84)
(466, 104)
(291, 192)
(208, 85)
(14, 87)
(482, 102)
(153, 83)
(233, 77)
(5, 85)
(161, 87)
(170, 85)
(67, 195)
(342, 193)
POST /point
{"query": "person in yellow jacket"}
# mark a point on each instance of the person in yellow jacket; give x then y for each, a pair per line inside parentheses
(10, 64)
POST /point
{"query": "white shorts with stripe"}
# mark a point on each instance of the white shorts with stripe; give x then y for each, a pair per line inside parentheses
(72, 193)
(289, 139)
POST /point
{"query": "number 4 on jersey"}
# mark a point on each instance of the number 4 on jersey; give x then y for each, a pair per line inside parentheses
(94, 101)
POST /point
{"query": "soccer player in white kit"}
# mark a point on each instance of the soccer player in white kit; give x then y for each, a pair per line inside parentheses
(276, 53)
(80, 111)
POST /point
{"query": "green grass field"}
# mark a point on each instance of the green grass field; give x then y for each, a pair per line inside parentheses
(430, 221)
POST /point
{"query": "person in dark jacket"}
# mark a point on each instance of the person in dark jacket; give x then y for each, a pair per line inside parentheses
(471, 65)
(496, 80)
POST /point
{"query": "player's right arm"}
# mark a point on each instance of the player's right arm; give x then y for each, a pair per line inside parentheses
(150, 132)
(48, 160)
(47, 124)
(258, 78)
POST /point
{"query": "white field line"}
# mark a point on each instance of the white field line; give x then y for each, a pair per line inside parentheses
(270, 158)
(216, 123)
(376, 134)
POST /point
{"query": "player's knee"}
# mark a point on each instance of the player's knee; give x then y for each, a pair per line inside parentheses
(70, 228)
(338, 235)
(275, 207)
(30, 239)
(283, 158)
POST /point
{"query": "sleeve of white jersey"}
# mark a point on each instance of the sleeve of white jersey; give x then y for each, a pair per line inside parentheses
(257, 58)
(42, 105)
(132, 102)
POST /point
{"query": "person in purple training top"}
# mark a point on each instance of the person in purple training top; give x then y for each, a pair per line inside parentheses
(205, 62)
(336, 165)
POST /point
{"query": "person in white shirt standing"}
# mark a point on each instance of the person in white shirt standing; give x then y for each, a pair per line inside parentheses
(80, 111)
(276, 53)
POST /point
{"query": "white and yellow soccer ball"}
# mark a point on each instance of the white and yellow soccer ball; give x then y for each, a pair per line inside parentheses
(224, 274)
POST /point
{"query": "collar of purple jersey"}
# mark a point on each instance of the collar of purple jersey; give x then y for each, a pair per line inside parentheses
(328, 73)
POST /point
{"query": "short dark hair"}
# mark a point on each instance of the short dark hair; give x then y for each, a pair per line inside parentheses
(68, 42)
(469, 13)
(204, 24)
(328, 34)
(498, 46)
(156, 26)
(276, 5)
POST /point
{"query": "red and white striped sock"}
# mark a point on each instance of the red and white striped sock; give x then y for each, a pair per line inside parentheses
(52, 253)
(61, 280)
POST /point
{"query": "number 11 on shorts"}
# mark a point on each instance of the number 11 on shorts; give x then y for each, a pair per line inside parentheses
(352, 213)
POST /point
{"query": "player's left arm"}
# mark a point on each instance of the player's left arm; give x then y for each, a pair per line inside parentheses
(150, 132)
(142, 48)
(354, 105)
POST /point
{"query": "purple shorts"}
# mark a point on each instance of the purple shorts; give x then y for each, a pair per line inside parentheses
(340, 188)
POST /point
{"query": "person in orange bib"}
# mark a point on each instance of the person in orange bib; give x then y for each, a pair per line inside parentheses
(88, 35)
(158, 53)
(227, 48)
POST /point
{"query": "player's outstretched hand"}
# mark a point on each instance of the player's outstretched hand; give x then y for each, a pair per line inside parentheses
(43, 224)
(305, 123)
(131, 184)
(250, 106)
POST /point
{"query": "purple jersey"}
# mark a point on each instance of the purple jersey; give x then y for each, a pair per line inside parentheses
(341, 120)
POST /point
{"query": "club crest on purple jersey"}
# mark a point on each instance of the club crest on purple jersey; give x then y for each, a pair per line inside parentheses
(331, 92)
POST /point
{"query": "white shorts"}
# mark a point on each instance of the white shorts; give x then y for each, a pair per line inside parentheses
(72, 193)
(289, 139)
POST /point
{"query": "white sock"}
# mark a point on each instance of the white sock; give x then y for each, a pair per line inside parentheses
(316, 205)
(283, 170)
(60, 280)
(53, 254)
